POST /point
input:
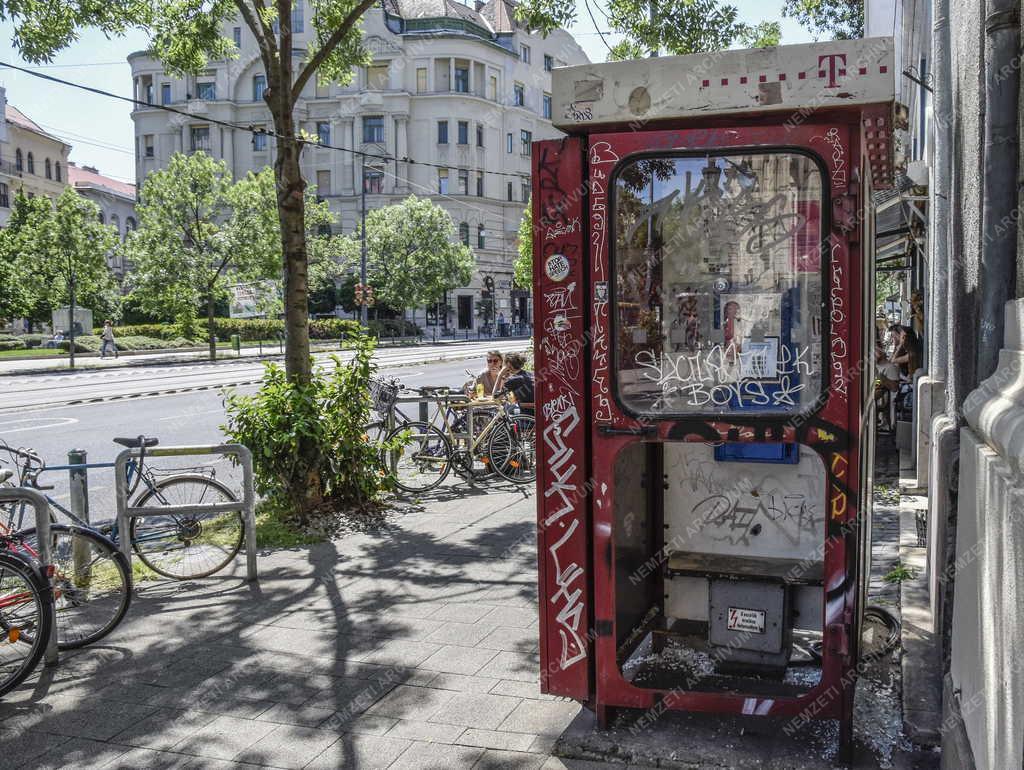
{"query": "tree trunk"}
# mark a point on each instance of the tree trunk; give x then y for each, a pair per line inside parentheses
(291, 212)
(307, 492)
(210, 326)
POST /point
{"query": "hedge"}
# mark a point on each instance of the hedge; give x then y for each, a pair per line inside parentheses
(7, 342)
(90, 343)
(252, 329)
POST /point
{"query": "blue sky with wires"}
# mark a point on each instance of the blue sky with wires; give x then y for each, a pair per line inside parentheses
(100, 129)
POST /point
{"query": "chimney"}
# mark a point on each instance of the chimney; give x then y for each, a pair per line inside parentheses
(3, 114)
(478, 4)
(90, 169)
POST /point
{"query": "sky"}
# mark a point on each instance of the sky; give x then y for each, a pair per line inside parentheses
(100, 129)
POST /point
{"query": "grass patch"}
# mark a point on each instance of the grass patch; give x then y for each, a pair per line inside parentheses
(899, 574)
(32, 353)
(273, 529)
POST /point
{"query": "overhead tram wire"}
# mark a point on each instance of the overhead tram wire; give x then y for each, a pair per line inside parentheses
(597, 27)
(207, 119)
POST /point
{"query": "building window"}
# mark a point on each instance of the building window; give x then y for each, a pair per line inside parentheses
(463, 132)
(524, 53)
(323, 183)
(19, 163)
(236, 35)
(510, 196)
(322, 90)
(31, 164)
(298, 17)
(200, 138)
(525, 190)
(442, 132)
(462, 79)
(57, 173)
(147, 143)
(519, 92)
(479, 134)
(5, 196)
(165, 93)
(259, 139)
(48, 168)
(421, 80)
(373, 129)
(481, 236)
(526, 142)
(480, 184)
(115, 222)
(549, 63)
(206, 90)
(508, 143)
(442, 181)
(103, 219)
(377, 77)
(374, 182)
(259, 87)
(492, 88)
(464, 233)
(463, 181)
(323, 132)
(547, 106)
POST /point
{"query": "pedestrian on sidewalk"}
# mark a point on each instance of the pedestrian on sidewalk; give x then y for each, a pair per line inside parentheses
(107, 339)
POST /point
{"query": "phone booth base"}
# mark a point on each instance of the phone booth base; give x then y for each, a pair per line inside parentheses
(703, 307)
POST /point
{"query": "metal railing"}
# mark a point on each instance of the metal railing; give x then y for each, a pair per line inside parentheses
(126, 513)
(45, 557)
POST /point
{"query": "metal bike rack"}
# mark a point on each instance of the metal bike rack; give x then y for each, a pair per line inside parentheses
(248, 502)
(42, 509)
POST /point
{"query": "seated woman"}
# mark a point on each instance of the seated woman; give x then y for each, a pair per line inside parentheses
(516, 380)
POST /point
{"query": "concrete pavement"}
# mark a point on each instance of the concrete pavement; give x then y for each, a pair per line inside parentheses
(409, 644)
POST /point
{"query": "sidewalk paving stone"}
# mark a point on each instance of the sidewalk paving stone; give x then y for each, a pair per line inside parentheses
(509, 760)
(223, 738)
(476, 710)
(288, 746)
(365, 752)
(541, 718)
(453, 659)
(496, 739)
(406, 702)
(436, 756)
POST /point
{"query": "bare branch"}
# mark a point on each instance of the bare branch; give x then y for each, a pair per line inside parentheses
(328, 47)
(261, 31)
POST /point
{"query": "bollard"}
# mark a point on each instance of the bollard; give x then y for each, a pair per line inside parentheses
(79, 488)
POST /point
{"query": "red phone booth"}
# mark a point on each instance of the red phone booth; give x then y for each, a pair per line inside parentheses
(704, 331)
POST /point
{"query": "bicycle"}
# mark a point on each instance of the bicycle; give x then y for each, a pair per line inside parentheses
(91, 579)
(177, 546)
(26, 616)
(429, 450)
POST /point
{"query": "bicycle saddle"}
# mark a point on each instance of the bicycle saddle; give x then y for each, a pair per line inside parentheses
(5, 474)
(138, 441)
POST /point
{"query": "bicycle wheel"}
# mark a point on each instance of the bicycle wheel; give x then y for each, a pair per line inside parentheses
(513, 449)
(26, 618)
(92, 586)
(422, 460)
(375, 432)
(187, 546)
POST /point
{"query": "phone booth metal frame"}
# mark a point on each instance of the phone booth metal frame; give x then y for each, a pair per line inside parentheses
(829, 110)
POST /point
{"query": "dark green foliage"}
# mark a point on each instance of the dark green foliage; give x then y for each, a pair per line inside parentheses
(835, 19)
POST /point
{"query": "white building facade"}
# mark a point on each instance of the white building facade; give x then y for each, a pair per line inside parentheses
(462, 88)
(116, 200)
(31, 160)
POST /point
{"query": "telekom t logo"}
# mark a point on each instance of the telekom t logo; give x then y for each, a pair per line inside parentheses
(836, 66)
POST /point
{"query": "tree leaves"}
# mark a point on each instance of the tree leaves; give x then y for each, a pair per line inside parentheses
(835, 19)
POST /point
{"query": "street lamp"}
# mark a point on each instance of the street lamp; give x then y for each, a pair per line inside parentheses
(362, 246)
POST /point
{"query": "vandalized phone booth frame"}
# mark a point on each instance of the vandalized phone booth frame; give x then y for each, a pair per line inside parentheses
(704, 337)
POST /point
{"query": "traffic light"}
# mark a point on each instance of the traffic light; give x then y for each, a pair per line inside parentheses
(359, 294)
(369, 296)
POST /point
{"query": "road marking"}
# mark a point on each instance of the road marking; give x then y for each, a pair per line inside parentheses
(48, 422)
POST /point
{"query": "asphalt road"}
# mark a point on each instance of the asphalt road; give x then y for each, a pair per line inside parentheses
(190, 417)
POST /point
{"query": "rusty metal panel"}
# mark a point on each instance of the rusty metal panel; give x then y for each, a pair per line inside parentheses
(563, 523)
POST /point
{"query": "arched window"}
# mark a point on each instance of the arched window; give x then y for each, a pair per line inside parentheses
(103, 219)
(19, 163)
(481, 236)
(49, 168)
(129, 225)
(57, 171)
(464, 233)
(115, 222)
(31, 164)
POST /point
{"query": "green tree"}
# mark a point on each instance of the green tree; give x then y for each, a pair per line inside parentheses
(412, 253)
(676, 26)
(199, 232)
(522, 269)
(47, 244)
(837, 19)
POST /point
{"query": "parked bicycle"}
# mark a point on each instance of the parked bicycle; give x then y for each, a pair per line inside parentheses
(26, 616)
(91, 580)
(496, 436)
(178, 546)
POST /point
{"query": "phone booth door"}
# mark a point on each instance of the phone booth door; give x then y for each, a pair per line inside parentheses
(723, 358)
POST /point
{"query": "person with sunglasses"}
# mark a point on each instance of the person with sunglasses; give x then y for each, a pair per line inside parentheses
(489, 376)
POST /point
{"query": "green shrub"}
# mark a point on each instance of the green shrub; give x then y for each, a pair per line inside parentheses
(393, 327)
(308, 442)
(159, 331)
(12, 343)
(35, 340)
(332, 328)
(139, 342)
(84, 344)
